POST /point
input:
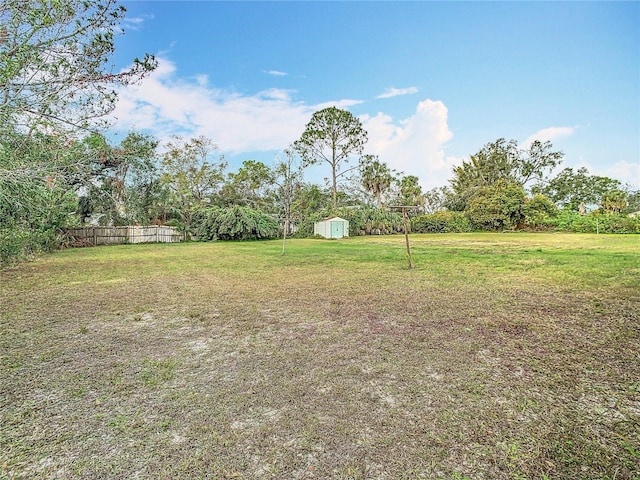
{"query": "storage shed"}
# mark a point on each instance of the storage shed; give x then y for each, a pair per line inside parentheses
(334, 227)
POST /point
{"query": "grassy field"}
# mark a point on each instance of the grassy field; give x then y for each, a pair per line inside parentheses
(500, 356)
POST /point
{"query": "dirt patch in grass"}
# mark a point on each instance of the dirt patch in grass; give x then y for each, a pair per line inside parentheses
(228, 361)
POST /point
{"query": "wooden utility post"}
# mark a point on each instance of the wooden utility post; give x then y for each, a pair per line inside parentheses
(405, 221)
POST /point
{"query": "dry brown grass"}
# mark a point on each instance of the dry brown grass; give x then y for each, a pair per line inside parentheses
(228, 361)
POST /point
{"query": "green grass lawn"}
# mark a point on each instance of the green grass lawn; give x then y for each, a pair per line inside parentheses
(500, 356)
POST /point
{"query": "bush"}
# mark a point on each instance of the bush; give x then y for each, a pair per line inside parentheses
(304, 228)
(233, 223)
(619, 223)
(537, 211)
(19, 244)
(443, 221)
(497, 207)
(363, 220)
(569, 221)
(367, 220)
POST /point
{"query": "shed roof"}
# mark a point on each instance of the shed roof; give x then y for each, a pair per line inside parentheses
(334, 218)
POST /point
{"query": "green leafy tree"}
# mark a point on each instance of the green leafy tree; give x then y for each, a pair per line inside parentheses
(376, 177)
(497, 206)
(54, 62)
(55, 80)
(332, 136)
(311, 198)
(193, 175)
(572, 189)
(633, 201)
(233, 223)
(495, 161)
(251, 185)
(310, 203)
(435, 199)
(126, 179)
(538, 210)
(535, 164)
(411, 191)
(39, 176)
(502, 160)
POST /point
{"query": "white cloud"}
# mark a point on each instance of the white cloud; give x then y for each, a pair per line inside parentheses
(395, 92)
(277, 73)
(135, 23)
(165, 105)
(345, 103)
(627, 172)
(548, 134)
(414, 145)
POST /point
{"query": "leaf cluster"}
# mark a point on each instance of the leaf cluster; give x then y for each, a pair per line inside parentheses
(497, 207)
(571, 189)
(54, 57)
(233, 223)
(376, 177)
(443, 221)
(502, 160)
(332, 135)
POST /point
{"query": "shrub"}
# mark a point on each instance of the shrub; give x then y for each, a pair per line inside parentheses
(538, 210)
(497, 207)
(443, 221)
(594, 223)
(363, 220)
(620, 223)
(233, 223)
(19, 244)
(304, 228)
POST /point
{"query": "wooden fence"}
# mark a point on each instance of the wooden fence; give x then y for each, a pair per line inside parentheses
(88, 236)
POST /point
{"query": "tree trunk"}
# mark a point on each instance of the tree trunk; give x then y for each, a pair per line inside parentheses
(379, 198)
(335, 187)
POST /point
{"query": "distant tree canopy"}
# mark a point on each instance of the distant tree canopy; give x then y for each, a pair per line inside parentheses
(376, 177)
(233, 223)
(58, 166)
(492, 189)
(125, 182)
(502, 160)
(332, 136)
(193, 176)
(410, 191)
(571, 189)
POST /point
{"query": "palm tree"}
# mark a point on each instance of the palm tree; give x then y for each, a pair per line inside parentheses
(376, 177)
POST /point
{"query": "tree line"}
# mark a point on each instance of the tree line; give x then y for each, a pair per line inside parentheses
(59, 166)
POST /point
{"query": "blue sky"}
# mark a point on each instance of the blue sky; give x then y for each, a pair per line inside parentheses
(432, 82)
